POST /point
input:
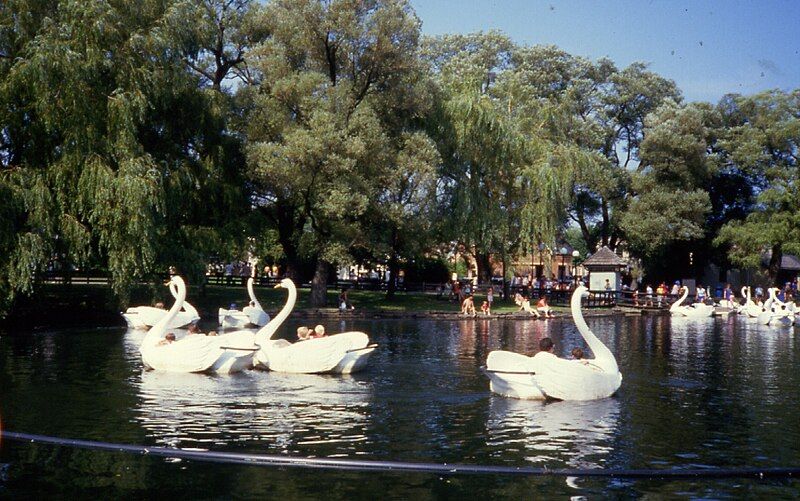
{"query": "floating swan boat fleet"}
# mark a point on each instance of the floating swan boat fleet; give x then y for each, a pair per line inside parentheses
(238, 350)
(540, 377)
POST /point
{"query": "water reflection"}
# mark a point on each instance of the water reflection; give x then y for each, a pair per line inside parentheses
(287, 412)
(719, 393)
(579, 434)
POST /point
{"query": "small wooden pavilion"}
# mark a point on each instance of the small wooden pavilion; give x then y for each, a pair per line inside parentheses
(604, 265)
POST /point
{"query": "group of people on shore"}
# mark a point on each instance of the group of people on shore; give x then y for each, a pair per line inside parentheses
(468, 307)
(468, 303)
(542, 309)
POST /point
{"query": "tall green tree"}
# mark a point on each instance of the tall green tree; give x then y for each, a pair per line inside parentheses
(764, 139)
(509, 165)
(318, 138)
(613, 105)
(668, 200)
(107, 142)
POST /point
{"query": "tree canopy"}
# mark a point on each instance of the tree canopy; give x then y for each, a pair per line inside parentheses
(135, 137)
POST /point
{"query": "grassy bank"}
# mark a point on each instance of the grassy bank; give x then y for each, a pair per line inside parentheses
(77, 305)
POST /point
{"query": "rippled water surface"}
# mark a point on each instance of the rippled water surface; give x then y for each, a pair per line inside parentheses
(695, 394)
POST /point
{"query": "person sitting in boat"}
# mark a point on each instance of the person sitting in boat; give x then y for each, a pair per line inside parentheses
(193, 329)
(160, 305)
(211, 333)
(546, 348)
(319, 331)
(303, 333)
(169, 338)
(544, 308)
(577, 355)
(700, 296)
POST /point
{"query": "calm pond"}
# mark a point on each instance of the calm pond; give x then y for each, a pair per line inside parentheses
(695, 394)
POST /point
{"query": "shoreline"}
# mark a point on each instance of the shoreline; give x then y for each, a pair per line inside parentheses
(105, 321)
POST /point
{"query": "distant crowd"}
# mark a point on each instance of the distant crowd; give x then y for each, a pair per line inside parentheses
(658, 297)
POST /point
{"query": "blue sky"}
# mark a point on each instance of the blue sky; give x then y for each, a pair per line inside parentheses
(708, 48)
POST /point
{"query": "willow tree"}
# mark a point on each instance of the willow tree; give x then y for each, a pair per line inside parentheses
(106, 134)
(763, 138)
(319, 141)
(508, 171)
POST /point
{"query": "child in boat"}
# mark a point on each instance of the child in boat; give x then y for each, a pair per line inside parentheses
(577, 355)
(169, 338)
(303, 333)
(319, 331)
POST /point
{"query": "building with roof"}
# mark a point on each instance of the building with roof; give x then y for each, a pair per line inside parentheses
(604, 265)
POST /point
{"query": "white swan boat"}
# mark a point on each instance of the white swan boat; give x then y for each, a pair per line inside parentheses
(252, 315)
(750, 308)
(697, 310)
(144, 317)
(776, 312)
(546, 376)
(192, 353)
(343, 353)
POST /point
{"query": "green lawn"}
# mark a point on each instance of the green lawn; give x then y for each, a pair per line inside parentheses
(273, 299)
(81, 304)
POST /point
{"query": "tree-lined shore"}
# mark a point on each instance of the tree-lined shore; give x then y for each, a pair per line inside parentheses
(139, 136)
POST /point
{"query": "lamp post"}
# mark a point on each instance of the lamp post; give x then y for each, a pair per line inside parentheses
(563, 263)
(575, 256)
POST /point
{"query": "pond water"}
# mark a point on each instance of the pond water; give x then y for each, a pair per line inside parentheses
(695, 394)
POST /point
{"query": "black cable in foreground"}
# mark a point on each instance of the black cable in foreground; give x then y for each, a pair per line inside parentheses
(400, 466)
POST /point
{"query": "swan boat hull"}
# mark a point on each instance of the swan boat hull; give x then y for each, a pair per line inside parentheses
(354, 360)
(233, 361)
(514, 385)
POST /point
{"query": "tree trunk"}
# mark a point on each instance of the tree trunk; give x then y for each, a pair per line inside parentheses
(506, 285)
(484, 267)
(292, 271)
(775, 263)
(319, 284)
(287, 224)
(591, 240)
(394, 272)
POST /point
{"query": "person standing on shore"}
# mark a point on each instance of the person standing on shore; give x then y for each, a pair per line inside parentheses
(490, 296)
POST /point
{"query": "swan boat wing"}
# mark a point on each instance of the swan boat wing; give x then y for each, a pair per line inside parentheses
(511, 375)
(307, 357)
(190, 354)
(573, 379)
